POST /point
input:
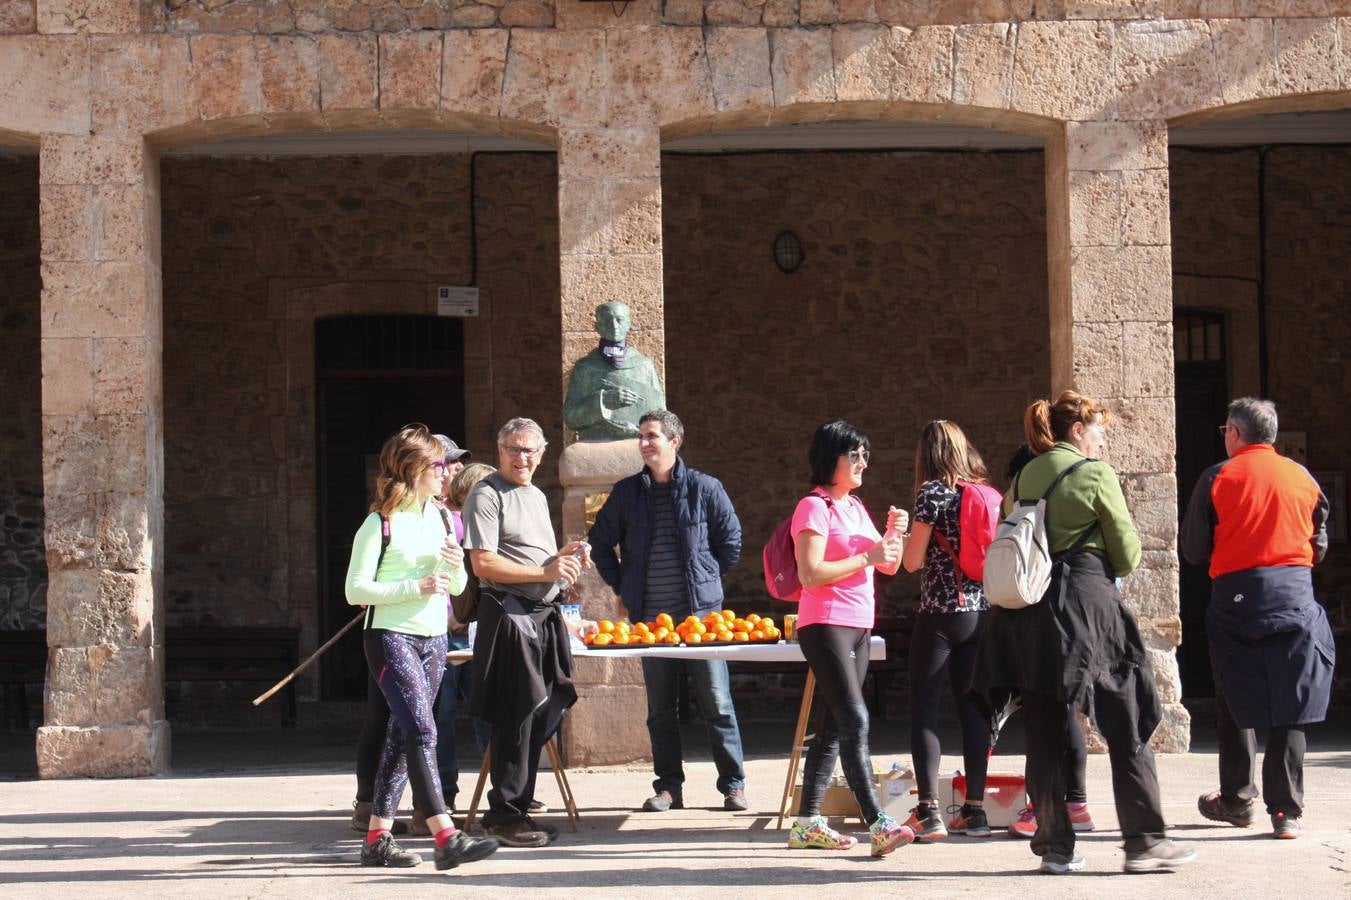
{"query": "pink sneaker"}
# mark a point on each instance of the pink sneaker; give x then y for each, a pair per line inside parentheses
(1079, 816)
(1025, 825)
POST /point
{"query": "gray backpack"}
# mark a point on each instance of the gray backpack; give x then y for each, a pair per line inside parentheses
(1018, 563)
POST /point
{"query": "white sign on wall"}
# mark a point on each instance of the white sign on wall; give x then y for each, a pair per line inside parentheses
(457, 301)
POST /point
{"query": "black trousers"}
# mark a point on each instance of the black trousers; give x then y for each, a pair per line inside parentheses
(515, 753)
(1282, 764)
(1135, 781)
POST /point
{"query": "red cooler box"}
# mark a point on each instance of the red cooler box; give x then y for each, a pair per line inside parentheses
(1005, 795)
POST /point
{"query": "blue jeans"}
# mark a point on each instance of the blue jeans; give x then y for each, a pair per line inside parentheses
(712, 688)
(455, 686)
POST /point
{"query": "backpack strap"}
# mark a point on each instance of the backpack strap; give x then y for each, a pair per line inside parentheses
(1061, 477)
(1088, 532)
(384, 544)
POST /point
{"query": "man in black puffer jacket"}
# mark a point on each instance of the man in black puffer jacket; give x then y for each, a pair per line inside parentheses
(677, 536)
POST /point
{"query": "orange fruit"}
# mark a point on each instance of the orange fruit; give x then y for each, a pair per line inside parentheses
(741, 625)
(661, 632)
(753, 618)
(757, 635)
(699, 628)
(724, 634)
(691, 619)
(589, 638)
(649, 638)
(605, 626)
(664, 620)
(740, 636)
(728, 615)
(766, 623)
(671, 638)
(603, 638)
(694, 637)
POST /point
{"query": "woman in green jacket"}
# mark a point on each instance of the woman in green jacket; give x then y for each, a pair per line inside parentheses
(405, 562)
(1080, 647)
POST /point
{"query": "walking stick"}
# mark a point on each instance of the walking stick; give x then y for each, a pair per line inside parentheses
(308, 660)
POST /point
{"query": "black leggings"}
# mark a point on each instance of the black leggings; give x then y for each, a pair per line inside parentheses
(1076, 762)
(372, 740)
(945, 647)
(838, 658)
(408, 669)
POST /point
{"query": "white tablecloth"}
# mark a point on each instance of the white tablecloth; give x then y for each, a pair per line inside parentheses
(780, 652)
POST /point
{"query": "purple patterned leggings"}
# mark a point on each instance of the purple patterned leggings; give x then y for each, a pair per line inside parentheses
(408, 669)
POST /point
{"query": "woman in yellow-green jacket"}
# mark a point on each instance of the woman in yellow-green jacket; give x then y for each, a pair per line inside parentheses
(405, 564)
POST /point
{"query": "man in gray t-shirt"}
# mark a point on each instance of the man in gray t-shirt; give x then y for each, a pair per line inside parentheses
(522, 683)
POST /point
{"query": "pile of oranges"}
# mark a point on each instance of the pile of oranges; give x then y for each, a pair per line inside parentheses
(724, 627)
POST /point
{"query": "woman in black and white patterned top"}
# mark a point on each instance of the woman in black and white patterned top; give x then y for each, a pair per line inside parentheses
(947, 629)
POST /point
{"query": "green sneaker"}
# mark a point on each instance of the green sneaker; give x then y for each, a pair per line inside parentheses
(817, 835)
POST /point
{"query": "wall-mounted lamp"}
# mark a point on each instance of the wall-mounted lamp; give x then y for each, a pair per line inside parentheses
(787, 252)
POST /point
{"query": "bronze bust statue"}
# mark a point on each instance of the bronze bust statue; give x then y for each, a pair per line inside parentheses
(613, 385)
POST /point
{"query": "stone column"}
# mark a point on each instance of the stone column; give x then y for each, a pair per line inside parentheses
(1111, 337)
(609, 211)
(102, 458)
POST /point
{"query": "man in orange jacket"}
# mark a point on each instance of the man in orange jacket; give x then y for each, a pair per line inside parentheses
(1260, 519)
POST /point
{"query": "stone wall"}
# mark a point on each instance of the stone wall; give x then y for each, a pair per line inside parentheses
(23, 564)
(1218, 216)
(254, 251)
(923, 295)
(310, 16)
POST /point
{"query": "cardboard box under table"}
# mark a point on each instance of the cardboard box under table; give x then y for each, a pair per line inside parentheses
(776, 652)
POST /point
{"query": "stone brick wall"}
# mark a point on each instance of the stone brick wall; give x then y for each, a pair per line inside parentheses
(383, 16)
(23, 564)
(923, 295)
(289, 16)
(254, 250)
(1218, 215)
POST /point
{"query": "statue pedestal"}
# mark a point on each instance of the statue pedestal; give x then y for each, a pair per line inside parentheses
(609, 723)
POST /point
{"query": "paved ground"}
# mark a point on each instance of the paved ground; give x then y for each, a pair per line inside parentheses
(265, 814)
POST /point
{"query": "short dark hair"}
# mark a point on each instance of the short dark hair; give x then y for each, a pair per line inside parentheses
(831, 441)
(670, 423)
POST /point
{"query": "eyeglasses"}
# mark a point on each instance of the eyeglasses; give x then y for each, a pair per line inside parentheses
(859, 456)
(1224, 429)
(521, 451)
(440, 467)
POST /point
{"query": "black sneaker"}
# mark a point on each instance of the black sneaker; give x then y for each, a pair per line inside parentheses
(384, 852)
(517, 834)
(548, 829)
(1059, 864)
(662, 801)
(461, 848)
(535, 806)
(970, 821)
(926, 823)
(1217, 809)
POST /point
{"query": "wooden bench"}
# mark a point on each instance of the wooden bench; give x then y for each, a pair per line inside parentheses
(227, 653)
(23, 661)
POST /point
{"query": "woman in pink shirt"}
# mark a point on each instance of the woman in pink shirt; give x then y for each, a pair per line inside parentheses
(837, 549)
